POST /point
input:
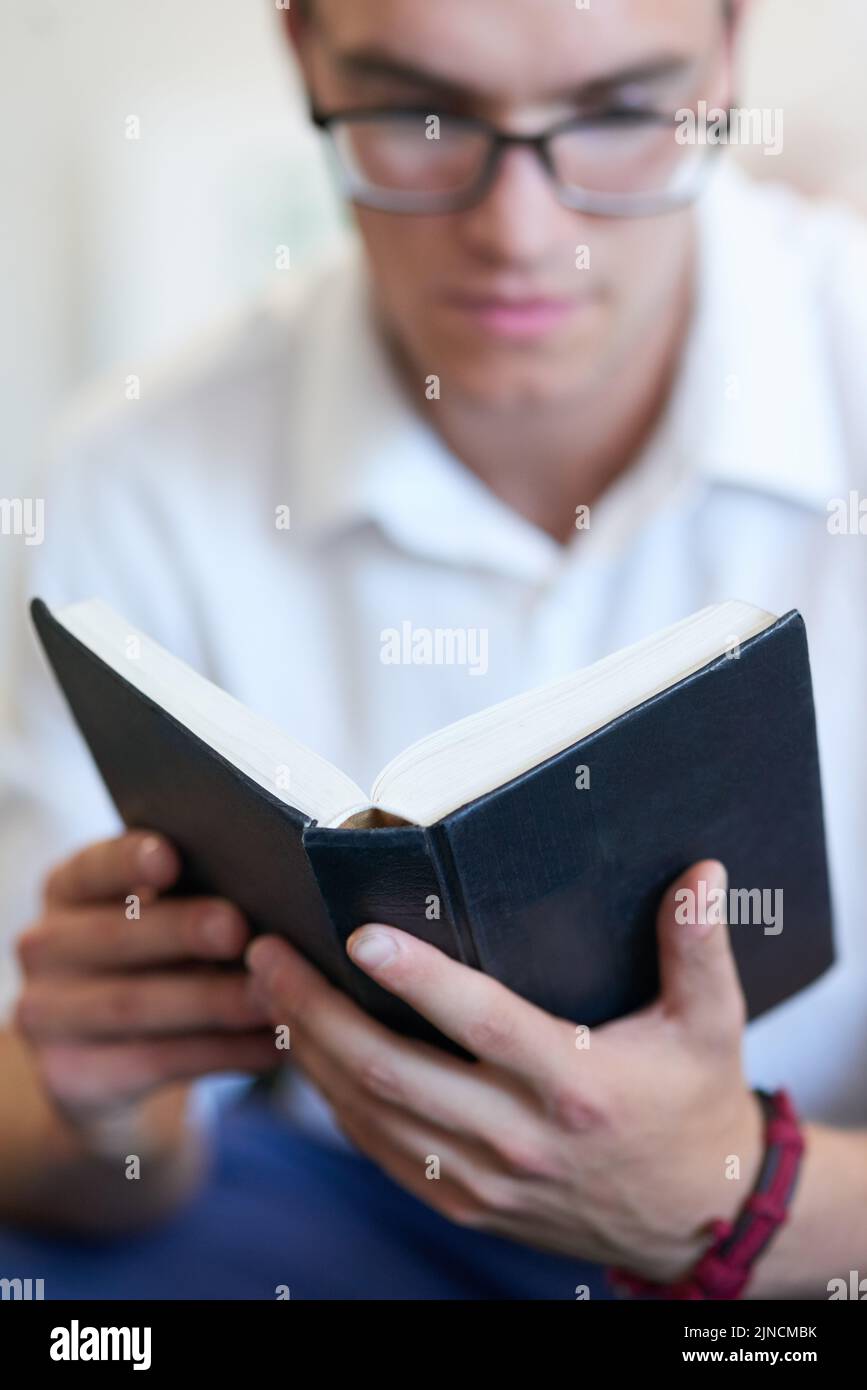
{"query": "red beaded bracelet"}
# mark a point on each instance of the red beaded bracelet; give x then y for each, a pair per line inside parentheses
(724, 1270)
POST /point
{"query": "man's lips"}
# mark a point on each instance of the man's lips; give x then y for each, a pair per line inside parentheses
(511, 316)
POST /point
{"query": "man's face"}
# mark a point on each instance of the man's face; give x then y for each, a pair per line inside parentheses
(498, 300)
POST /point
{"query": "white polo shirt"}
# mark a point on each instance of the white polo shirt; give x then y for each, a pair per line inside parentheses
(165, 507)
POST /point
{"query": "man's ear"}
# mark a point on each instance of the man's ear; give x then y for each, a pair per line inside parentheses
(295, 16)
(739, 11)
(296, 21)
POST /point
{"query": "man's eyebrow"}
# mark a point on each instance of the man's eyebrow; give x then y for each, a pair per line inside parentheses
(640, 74)
(376, 63)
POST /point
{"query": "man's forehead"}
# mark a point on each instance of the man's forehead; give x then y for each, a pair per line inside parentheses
(532, 46)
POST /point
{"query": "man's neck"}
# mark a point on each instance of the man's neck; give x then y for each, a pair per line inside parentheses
(546, 461)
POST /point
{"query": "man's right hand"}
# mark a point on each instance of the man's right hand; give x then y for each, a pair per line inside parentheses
(116, 1007)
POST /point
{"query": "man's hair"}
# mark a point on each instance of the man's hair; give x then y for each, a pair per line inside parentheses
(305, 8)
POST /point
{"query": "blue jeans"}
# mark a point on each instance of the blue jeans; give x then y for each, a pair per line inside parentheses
(279, 1208)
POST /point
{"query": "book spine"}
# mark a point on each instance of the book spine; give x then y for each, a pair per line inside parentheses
(387, 875)
(443, 860)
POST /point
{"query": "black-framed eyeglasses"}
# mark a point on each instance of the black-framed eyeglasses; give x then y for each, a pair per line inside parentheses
(628, 163)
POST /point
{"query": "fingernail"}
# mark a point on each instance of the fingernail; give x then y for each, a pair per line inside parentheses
(262, 959)
(718, 877)
(716, 881)
(154, 855)
(220, 929)
(372, 947)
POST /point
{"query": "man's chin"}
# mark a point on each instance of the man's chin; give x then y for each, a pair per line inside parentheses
(501, 382)
(537, 371)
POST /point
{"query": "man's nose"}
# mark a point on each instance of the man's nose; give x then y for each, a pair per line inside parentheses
(520, 217)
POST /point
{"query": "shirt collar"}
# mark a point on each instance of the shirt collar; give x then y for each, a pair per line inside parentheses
(752, 406)
(363, 454)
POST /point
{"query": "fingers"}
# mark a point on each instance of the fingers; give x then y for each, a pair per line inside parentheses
(373, 1068)
(456, 1178)
(98, 1075)
(474, 1010)
(347, 1054)
(116, 1006)
(112, 868)
(294, 992)
(101, 937)
(698, 974)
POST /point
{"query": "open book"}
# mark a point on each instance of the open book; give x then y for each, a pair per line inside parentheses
(531, 840)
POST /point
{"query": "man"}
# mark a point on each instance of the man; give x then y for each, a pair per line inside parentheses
(534, 328)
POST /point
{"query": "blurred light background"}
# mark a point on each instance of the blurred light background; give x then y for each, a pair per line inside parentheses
(114, 249)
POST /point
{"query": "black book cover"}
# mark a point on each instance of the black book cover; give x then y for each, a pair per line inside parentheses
(548, 887)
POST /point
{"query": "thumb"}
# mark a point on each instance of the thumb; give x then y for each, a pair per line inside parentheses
(698, 975)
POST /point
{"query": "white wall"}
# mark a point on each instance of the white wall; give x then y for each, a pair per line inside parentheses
(809, 57)
(117, 247)
(112, 249)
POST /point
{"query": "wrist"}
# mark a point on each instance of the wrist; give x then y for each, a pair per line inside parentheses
(731, 1156)
(733, 1245)
(826, 1236)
